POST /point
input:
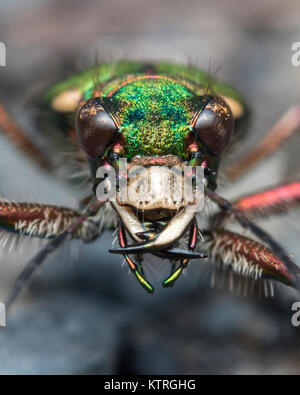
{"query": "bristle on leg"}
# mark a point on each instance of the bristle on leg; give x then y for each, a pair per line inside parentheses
(246, 257)
(42, 221)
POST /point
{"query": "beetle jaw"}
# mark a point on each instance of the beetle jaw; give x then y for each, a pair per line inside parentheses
(158, 205)
(152, 236)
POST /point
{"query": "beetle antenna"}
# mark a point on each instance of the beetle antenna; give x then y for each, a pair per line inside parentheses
(97, 64)
(96, 84)
(211, 75)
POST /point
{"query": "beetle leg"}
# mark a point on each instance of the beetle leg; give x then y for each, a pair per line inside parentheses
(270, 201)
(287, 125)
(246, 257)
(44, 221)
(14, 133)
(136, 269)
(175, 273)
(274, 200)
(72, 229)
(243, 220)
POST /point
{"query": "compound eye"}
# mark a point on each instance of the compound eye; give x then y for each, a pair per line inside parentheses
(214, 125)
(95, 127)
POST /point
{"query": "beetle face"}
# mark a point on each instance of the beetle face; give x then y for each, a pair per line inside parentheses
(159, 118)
(159, 124)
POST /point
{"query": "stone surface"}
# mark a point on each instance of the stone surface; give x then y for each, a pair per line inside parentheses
(63, 333)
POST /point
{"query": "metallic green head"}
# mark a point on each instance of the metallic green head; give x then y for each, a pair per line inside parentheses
(154, 107)
(154, 114)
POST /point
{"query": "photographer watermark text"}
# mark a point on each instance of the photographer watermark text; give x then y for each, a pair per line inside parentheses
(2, 54)
(2, 315)
(296, 55)
(296, 314)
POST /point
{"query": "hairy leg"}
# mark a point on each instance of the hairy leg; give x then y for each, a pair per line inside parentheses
(246, 257)
(64, 223)
(243, 220)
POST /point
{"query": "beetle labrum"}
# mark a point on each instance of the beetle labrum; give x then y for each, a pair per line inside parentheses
(156, 116)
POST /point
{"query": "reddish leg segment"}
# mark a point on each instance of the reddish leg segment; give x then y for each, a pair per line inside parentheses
(14, 133)
(287, 126)
(42, 220)
(271, 201)
(243, 220)
(74, 222)
(246, 257)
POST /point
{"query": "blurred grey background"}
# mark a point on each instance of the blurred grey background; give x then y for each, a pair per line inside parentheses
(83, 313)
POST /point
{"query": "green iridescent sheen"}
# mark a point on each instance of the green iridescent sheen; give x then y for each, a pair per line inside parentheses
(154, 104)
(154, 114)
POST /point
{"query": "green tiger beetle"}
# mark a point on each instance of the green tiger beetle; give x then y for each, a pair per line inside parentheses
(156, 116)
